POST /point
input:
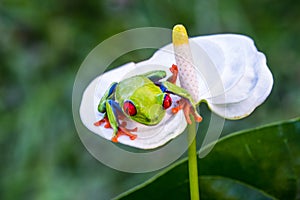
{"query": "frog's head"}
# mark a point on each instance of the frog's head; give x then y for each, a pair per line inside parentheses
(147, 105)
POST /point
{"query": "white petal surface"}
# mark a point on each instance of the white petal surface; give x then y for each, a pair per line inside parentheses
(234, 56)
(233, 75)
(226, 66)
(256, 97)
(148, 137)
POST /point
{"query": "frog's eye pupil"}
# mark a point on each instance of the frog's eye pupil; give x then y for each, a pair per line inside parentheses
(129, 108)
(167, 101)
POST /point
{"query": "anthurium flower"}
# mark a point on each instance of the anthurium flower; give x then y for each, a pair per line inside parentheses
(229, 74)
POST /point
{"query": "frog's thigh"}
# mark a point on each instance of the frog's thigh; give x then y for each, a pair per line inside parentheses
(156, 75)
(112, 114)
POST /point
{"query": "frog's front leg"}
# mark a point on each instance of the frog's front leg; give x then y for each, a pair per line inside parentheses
(124, 131)
(113, 114)
(188, 109)
(186, 103)
(104, 121)
(102, 105)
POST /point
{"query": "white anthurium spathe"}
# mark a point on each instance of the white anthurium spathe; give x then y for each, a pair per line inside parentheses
(231, 76)
(246, 80)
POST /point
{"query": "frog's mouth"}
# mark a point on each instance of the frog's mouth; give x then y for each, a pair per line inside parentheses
(150, 120)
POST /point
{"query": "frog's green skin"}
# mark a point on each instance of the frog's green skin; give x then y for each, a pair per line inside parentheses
(146, 92)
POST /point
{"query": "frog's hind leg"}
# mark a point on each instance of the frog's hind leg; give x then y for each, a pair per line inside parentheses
(156, 75)
(174, 70)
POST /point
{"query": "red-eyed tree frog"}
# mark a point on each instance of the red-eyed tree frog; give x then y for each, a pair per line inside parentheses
(143, 98)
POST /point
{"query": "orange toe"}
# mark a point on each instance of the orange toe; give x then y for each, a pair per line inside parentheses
(174, 68)
(115, 139)
(175, 110)
(124, 131)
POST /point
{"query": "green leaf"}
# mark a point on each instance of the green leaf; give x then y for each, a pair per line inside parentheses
(262, 163)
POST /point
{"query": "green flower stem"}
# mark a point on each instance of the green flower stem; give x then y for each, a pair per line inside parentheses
(192, 161)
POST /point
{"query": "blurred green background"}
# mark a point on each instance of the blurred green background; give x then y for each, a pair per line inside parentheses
(42, 45)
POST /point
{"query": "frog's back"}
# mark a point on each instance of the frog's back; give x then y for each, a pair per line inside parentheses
(127, 87)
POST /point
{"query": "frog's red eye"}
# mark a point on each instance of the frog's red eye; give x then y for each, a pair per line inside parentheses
(129, 108)
(167, 101)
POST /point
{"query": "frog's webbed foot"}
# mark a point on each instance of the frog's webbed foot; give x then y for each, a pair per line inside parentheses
(104, 121)
(174, 70)
(188, 109)
(122, 130)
